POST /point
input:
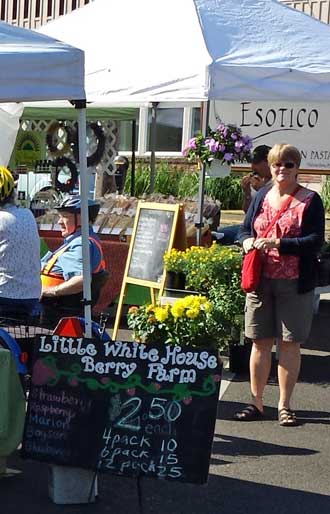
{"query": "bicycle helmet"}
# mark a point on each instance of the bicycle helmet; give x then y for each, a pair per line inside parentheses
(7, 184)
(73, 204)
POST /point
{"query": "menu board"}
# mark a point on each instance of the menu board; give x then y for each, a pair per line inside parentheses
(157, 228)
(122, 407)
(151, 241)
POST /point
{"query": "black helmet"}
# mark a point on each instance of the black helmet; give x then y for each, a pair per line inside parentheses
(73, 204)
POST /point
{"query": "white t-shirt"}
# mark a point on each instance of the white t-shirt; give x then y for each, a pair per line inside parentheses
(19, 254)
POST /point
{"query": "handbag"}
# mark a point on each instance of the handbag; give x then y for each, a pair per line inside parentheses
(252, 260)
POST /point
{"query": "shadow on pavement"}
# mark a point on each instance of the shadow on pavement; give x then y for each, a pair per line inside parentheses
(231, 446)
(221, 495)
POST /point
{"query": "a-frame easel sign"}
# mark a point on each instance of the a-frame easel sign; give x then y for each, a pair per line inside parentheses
(157, 228)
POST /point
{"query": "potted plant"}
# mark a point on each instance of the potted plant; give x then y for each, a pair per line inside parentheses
(175, 266)
(215, 273)
(221, 147)
(323, 265)
(187, 322)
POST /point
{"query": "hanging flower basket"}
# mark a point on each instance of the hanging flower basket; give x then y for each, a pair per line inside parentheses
(226, 144)
(217, 169)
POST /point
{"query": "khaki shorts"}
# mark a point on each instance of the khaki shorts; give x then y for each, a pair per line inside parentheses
(276, 310)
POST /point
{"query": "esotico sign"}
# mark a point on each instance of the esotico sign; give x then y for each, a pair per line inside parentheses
(303, 125)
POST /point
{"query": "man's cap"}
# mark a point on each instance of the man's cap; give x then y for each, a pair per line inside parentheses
(260, 153)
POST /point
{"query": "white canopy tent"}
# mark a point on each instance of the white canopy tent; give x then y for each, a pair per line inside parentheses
(37, 67)
(195, 50)
(198, 50)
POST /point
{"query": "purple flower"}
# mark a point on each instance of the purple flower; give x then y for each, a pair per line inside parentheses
(192, 144)
(212, 144)
(228, 156)
(238, 145)
(234, 136)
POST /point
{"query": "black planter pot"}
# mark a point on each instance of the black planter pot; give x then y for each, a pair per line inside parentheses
(175, 280)
(239, 357)
(323, 270)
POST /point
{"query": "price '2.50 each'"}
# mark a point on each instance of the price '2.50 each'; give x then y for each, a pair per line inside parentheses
(130, 416)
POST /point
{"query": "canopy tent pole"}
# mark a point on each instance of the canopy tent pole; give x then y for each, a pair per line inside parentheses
(133, 158)
(199, 221)
(153, 129)
(83, 185)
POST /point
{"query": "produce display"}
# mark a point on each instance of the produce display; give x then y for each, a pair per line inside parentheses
(117, 213)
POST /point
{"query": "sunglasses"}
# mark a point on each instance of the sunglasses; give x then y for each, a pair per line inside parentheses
(287, 165)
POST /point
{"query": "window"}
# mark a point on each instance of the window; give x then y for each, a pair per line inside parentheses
(169, 126)
(14, 9)
(196, 126)
(125, 135)
(26, 9)
(3, 9)
(38, 9)
(49, 8)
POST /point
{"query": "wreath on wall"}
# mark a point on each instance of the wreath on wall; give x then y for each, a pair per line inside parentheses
(53, 145)
(65, 162)
(95, 157)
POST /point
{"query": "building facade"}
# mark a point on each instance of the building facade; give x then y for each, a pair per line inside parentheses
(30, 14)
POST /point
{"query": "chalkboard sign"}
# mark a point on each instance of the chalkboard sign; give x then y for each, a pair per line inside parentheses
(123, 408)
(151, 241)
(157, 228)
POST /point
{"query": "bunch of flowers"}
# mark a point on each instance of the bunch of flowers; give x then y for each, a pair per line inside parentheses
(226, 143)
(174, 260)
(205, 266)
(215, 272)
(187, 322)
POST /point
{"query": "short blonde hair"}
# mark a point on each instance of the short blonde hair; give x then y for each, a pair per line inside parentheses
(282, 152)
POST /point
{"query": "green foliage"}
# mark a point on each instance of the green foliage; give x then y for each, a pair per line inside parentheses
(325, 194)
(227, 189)
(188, 184)
(214, 272)
(184, 184)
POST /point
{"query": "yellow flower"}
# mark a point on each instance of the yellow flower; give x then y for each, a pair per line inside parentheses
(161, 313)
(192, 313)
(150, 308)
(177, 309)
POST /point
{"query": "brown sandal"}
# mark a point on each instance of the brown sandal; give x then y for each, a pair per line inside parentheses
(249, 413)
(287, 418)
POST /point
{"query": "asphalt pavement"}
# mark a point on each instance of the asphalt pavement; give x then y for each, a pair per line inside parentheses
(256, 467)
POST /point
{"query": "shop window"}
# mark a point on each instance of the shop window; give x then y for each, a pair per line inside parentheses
(196, 125)
(125, 135)
(168, 130)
